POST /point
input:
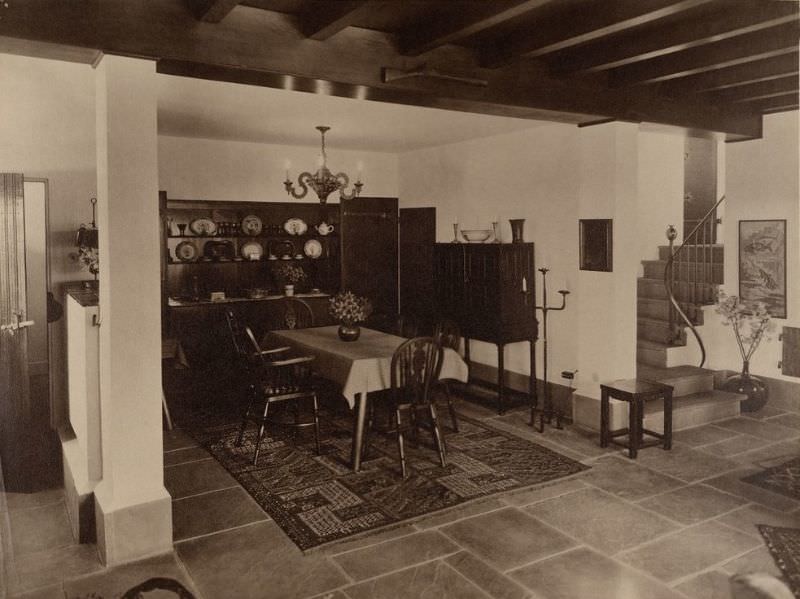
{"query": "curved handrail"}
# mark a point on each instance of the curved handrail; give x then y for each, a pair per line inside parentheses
(669, 272)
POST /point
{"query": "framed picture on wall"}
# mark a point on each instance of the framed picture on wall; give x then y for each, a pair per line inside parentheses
(596, 246)
(762, 264)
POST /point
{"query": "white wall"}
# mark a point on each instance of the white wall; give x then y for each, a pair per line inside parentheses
(208, 169)
(660, 182)
(762, 183)
(531, 174)
(47, 128)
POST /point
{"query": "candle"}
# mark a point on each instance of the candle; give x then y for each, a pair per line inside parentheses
(359, 168)
(524, 285)
(287, 164)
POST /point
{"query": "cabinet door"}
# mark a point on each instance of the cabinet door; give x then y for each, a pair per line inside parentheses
(481, 305)
(449, 276)
(369, 250)
(417, 237)
(516, 306)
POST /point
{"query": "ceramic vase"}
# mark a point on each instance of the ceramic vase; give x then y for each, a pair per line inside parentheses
(753, 387)
(517, 225)
(288, 290)
(349, 332)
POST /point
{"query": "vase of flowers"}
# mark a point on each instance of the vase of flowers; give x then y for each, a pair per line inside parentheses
(349, 310)
(750, 324)
(290, 275)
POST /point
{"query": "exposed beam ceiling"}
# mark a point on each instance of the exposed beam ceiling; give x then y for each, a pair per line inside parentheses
(574, 61)
(213, 11)
(329, 18)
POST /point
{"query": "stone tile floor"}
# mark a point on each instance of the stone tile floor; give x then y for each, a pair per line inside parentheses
(667, 525)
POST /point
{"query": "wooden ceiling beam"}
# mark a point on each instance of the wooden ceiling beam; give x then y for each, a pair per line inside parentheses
(754, 91)
(737, 50)
(582, 23)
(743, 74)
(461, 24)
(656, 40)
(265, 47)
(324, 19)
(212, 11)
(773, 104)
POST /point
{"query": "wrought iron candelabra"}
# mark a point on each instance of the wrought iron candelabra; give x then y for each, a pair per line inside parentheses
(546, 412)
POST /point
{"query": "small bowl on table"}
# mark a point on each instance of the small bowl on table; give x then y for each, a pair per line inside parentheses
(476, 235)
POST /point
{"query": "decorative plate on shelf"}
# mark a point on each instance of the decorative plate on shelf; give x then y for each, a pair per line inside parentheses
(203, 226)
(252, 250)
(252, 225)
(313, 248)
(295, 226)
(186, 251)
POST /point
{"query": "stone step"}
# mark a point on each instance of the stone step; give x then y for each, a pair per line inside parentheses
(653, 288)
(686, 380)
(651, 353)
(658, 330)
(693, 410)
(714, 273)
(658, 309)
(710, 253)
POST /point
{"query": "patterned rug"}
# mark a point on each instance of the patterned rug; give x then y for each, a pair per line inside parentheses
(784, 545)
(318, 499)
(783, 479)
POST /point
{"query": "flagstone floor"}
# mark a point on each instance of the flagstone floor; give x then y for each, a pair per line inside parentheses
(672, 524)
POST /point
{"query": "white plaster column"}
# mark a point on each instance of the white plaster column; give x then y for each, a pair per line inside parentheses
(605, 302)
(132, 506)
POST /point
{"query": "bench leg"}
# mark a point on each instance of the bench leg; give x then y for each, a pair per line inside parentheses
(604, 408)
(668, 419)
(634, 426)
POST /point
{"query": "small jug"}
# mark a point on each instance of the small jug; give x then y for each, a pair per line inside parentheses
(324, 228)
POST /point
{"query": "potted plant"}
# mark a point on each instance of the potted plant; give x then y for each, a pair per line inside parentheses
(349, 309)
(290, 275)
(750, 324)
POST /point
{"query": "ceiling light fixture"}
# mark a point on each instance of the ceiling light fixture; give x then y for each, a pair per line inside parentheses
(323, 182)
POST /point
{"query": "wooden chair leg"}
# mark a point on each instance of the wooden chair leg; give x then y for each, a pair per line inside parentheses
(246, 416)
(437, 435)
(316, 422)
(451, 408)
(400, 443)
(261, 434)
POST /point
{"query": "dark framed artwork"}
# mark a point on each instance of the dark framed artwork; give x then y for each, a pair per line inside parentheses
(596, 246)
(762, 264)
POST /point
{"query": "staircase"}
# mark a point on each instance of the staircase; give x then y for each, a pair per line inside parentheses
(663, 349)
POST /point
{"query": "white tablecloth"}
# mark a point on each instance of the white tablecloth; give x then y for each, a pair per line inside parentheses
(358, 366)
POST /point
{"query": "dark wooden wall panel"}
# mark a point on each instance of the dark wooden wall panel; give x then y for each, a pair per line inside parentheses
(791, 351)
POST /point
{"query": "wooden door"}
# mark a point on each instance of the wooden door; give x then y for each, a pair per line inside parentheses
(369, 251)
(417, 238)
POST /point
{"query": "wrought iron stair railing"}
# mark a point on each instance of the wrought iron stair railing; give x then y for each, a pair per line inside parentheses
(691, 284)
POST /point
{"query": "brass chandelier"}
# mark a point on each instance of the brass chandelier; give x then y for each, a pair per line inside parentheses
(323, 182)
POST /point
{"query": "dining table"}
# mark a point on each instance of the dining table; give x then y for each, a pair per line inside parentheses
(359, 367)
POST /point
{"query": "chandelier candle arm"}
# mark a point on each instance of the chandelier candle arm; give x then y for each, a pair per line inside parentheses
(323, 182)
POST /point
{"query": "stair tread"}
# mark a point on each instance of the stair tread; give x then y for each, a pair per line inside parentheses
(671, 372)
(650, 344)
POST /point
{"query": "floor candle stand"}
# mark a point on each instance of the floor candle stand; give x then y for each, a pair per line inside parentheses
(546, 412)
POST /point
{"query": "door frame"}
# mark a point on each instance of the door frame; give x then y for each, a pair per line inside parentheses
(48, 287)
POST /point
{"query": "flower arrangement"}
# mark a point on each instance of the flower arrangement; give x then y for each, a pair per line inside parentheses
(349, 309)
(291, 274)
(89, 258)
(750, 323)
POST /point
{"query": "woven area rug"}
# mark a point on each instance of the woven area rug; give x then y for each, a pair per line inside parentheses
(783, 479)
(318, 499)
(784, 545)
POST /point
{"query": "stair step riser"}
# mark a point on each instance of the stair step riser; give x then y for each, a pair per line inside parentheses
(714, 273)
(709, 254)
(659, 310)
(688, 418)
(686, 292)
(657, 330)
(688, 385)
(651, 356)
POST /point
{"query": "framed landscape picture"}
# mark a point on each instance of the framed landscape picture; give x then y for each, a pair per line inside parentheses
(762, 264)
(596, 249)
